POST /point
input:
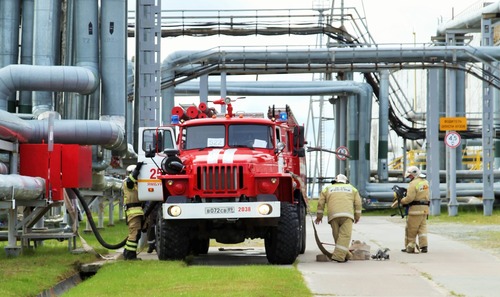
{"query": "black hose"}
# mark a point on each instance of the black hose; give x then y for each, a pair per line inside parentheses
(93, 226)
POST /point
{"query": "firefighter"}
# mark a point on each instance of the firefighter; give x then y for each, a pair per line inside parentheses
(417, 201)
(133, 210)
(343, 205)
(151, 233)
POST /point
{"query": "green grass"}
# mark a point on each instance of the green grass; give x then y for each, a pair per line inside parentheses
(37, 270)
(174, 278)
(468, 215)
(40, 269)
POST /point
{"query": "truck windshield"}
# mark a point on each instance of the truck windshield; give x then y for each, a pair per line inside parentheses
(197, 137)
(253, 136)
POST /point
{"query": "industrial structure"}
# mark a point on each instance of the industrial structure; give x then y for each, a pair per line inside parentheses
(71, 104)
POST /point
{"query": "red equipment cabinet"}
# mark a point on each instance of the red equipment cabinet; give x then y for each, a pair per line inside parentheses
(67, 166)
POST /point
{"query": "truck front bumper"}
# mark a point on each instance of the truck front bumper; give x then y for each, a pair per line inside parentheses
(232, 210)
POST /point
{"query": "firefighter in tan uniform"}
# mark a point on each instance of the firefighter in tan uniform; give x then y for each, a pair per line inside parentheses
(343, 205)
(133, 211)
(417, 201)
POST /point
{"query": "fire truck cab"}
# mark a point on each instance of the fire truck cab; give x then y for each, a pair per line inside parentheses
(227, 178)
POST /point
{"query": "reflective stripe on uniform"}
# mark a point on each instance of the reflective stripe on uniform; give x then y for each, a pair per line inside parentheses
(132, 178)
(417, 212)
(343, 214)
(131, 245)
(340, 247)
(134, 211)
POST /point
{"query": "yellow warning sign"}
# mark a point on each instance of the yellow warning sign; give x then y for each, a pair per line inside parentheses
(453, 124)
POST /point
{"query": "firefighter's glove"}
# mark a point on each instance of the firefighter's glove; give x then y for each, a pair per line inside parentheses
(130, 183)
(137, 170)
(319, 218)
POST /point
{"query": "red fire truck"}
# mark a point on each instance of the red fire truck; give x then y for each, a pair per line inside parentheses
(228, 178)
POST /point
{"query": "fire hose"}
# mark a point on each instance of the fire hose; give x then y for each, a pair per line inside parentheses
(318, 241)
(94, 227)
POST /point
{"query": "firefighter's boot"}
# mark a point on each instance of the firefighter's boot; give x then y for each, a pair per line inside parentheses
(152, 247)
(130, 255)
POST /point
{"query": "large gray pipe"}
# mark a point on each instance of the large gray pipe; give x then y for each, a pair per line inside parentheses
(9, 25)
(25, 97)
(45, 48)
(21, 187)
(44, 78)
(469, 20)
(84, 132)
(371, 55)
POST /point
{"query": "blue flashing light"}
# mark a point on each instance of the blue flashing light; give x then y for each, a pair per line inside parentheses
(174, 120)
(283, 116)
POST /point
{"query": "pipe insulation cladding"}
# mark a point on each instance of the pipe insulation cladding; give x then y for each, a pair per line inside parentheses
(20, 187)
(84, 132)
(83, 80)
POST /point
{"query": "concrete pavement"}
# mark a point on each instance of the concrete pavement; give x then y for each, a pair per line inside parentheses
(449, 269)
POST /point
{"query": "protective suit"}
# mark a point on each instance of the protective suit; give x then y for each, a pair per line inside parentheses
(134, 212)
(417, 201)
(343, 205)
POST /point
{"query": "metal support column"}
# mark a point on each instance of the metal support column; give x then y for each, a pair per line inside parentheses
(432, 136)
(148, 64)
(383, 146)
(488, 128)
(451, 153)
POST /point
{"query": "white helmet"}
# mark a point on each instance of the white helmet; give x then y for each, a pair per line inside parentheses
(412, 171)
(130, 168)
(341, 178)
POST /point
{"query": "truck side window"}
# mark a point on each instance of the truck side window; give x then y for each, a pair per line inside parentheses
(157, 140)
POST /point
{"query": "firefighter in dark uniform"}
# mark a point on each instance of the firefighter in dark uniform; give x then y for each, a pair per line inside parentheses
(133, 210)
(417, 201)
(343, 205)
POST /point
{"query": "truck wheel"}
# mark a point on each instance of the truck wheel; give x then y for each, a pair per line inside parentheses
(302, 225)
(282, 245)
(172, 239)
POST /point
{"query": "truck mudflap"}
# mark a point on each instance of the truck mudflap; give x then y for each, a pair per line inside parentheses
(234, 210)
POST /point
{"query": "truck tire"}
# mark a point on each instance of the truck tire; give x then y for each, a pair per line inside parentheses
(281, 243)
(302, 226)
(172, 239)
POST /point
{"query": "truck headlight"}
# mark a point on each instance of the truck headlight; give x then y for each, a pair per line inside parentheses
(265, 209)
(174, 211)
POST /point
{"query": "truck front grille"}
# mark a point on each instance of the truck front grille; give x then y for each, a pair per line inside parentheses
(220, 178)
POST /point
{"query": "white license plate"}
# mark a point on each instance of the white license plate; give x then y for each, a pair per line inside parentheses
(219, 210)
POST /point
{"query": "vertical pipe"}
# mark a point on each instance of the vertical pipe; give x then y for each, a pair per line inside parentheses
(353, 143)
(25, 105)
(432, 136)
(451, 174)
(460, 110)
(342, 106)
(488, 122)
(9, 39)
(223, 89)
(114, 64)
(383, 146)
(87, 47)
(45, 47)
(204, 88)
